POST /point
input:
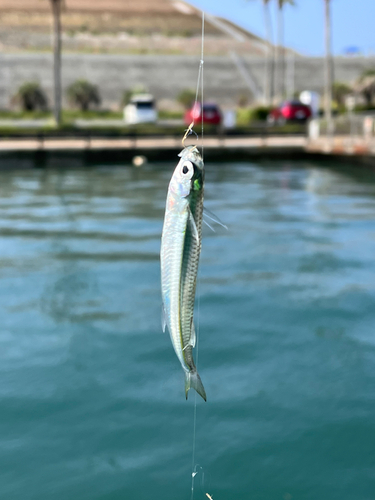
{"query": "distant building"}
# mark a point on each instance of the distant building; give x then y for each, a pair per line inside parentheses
(352, 51)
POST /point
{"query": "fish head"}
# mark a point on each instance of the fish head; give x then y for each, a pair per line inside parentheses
(189, 173)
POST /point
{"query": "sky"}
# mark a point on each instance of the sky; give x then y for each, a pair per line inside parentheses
(352, 22)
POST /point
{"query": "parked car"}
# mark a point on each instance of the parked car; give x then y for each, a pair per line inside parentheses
(290, 111)
(211, 114)
(141, 109)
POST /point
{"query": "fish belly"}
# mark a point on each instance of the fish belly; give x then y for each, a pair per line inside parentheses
(171, 253)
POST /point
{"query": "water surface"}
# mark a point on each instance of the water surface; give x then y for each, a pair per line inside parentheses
(92, 395)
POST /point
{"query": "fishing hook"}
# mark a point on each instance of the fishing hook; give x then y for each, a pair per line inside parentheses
(189, 131)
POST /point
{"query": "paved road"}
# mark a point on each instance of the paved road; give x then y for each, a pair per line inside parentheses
(121, 123)
(22, 123)
(80, 123)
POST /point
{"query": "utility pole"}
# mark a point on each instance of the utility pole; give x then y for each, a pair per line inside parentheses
(269, 56)
(281, 52)
(328, 68)
(290, 75)
(56, 11)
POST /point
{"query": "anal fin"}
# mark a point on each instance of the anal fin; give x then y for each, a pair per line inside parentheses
(163, 318)
(192, 339)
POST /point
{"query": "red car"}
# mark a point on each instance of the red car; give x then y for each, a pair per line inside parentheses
(211, 114)
(290, 111)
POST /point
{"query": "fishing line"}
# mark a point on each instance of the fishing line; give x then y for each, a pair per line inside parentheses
(194, 471)
(202, 81)
(199, 86)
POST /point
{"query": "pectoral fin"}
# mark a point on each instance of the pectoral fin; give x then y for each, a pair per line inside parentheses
(207, 214)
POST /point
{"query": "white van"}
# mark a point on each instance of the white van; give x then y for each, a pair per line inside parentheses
(141, 109)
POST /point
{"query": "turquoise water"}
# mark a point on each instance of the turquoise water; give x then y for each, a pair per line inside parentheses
(92, 395)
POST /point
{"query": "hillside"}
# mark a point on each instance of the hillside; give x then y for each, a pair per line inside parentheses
(121, 26)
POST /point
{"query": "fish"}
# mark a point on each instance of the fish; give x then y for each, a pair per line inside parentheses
(181, 244)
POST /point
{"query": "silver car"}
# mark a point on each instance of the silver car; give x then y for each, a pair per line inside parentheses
(141, 109)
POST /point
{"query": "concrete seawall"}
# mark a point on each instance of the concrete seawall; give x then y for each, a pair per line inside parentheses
(164, 75)
(29, 153)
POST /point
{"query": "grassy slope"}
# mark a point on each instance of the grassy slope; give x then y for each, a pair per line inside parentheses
(104, 16)
(112, 26)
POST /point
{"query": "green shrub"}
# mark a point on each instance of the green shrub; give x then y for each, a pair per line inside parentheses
(364, 107)
(166, 114)
(186, 98)
(339, 91)
(260, 113)
(91, 114)
(247, 115)
(30, 97)
(367, 72)
(366, 85)
(82, 94)
(243, 117)
(243, 101)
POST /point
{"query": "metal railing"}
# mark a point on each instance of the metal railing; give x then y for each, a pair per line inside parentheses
(349, 125)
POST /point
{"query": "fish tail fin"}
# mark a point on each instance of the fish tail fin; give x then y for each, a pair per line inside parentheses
(192, 379)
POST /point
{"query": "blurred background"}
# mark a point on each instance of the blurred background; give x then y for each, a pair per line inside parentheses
(94, 100)
(258, 54)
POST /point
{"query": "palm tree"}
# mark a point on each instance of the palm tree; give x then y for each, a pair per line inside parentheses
(269, 70)
(328, 66)
(56, 11)
(280, 50)
(269, 66)
(82, 94)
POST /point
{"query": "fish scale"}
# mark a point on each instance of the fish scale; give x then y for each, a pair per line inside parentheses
(190, 263)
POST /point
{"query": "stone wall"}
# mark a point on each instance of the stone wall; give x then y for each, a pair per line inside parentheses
(165, 76)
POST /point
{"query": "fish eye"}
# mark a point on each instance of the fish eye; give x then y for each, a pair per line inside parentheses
(187, 167)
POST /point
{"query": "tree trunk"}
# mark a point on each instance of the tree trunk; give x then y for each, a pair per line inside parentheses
(279, 63)
(269, 73)
(56, 10)
(290, 76)
(328, 68)
(281, 54)
(367, 94)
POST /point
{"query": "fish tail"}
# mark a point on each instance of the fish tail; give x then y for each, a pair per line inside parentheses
(192, 379)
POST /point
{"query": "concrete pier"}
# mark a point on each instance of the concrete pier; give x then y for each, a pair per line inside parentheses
(39, 150)
(44, 151)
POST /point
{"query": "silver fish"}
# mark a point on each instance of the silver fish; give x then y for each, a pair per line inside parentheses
(179, 257)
